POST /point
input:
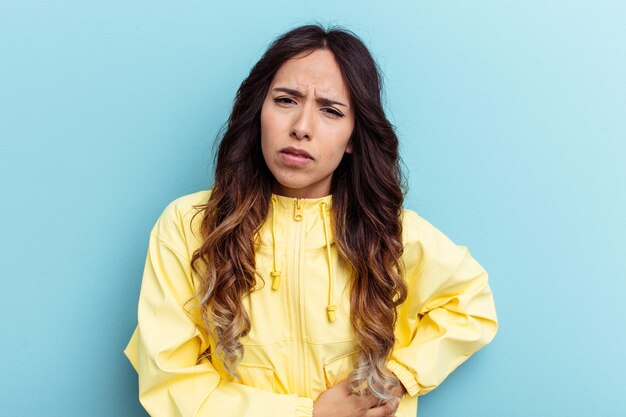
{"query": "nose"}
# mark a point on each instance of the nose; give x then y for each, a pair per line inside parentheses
(302, 128)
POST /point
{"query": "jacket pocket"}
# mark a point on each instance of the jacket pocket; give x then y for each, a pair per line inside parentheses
(339, 368)
(258, 376)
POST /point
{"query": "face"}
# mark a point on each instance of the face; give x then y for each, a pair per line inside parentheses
(306, 123)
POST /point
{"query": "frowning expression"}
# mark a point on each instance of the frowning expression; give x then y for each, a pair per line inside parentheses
(306, 123)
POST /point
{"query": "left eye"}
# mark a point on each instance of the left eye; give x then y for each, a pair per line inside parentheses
(333, 112)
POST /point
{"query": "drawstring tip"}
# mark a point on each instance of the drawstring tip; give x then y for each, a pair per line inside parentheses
(330, 312)
(275, 279)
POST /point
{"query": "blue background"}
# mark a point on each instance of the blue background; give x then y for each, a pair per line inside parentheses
(512, 120)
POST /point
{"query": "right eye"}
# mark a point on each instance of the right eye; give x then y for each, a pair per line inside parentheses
(284, 100)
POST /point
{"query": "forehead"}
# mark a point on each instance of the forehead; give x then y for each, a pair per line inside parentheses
(313, 71)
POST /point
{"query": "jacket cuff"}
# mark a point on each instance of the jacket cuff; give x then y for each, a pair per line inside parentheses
(304, 407)
(405, 376)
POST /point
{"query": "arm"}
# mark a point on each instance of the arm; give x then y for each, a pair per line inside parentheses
(167, 344)
(449, 313)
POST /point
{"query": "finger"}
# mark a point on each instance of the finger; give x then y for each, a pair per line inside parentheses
(371, 401)
(384, 410)
(393, 406)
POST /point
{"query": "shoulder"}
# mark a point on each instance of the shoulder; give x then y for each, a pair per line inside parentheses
(422, 240)
(416, 228)
(179, 222)
(185, 204)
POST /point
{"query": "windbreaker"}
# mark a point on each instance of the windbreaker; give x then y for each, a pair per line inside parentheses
(301, 341)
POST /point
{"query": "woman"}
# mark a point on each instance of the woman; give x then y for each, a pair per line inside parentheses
(298, 285)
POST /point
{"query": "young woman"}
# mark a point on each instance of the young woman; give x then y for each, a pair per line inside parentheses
(298, 285)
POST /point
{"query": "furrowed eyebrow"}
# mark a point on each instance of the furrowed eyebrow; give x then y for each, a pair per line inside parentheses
(322, 100)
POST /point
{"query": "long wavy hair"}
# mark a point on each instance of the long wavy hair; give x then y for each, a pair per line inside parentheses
(367, 190)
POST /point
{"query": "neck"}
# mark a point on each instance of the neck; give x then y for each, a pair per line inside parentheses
(308, 192)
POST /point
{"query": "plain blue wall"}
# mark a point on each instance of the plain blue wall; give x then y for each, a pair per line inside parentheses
(512, 118)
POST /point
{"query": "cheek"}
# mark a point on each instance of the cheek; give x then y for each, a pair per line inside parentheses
(266, 129)
(266, 148)
(344, 138)
(270, 126)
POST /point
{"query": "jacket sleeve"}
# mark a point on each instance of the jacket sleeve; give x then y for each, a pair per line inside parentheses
(449, 313)
(167, 343)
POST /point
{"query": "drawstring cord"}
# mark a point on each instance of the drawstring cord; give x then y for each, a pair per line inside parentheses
(330, 308)
(274, 274)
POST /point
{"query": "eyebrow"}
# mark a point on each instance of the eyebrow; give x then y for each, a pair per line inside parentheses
(322, 100)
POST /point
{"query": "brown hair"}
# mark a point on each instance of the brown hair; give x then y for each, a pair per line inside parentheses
(367, 192)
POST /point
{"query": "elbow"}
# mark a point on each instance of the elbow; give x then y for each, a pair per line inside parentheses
(489, 329)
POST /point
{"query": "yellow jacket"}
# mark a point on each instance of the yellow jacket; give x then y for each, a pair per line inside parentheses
(301, 341)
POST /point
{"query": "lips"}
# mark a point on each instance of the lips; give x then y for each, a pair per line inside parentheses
(290, 150)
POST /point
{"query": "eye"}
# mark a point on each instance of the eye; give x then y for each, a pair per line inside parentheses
(332, 112)
(284, 100)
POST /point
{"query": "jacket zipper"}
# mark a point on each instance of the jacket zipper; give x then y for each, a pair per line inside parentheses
(297, 210)
(297, 215)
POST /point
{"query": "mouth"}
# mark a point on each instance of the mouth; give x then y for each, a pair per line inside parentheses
(299, 153)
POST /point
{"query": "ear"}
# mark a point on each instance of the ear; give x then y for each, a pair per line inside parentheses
(349, 147)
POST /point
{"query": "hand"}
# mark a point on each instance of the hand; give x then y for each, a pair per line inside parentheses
(398, 391)
(339, 401)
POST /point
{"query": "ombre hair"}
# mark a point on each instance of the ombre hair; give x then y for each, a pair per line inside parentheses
(367, 191)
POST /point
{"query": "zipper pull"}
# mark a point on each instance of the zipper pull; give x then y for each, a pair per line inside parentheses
(297, 210)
